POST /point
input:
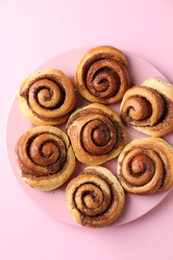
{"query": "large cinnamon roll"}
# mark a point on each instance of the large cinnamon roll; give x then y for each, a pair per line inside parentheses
(45, 157)
(96, 133)
(102, 75)
(46, 97)
(95, 197)
(145, 166)
(149, 107)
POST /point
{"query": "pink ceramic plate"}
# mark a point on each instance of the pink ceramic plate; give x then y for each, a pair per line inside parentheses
(54, 202)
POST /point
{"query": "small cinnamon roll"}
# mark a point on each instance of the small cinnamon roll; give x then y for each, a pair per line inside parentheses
(46, 97)
(95, 197)
(102, 75)
(148, 108)
(45, 157)
(97, 134)
(145, 166)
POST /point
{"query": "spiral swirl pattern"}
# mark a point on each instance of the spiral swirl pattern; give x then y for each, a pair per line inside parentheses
(45, 157)
(148, 108)
(144, 166)
(96, 133)
(46, 97)
(102, 75)
(142, 106)
(95, 197)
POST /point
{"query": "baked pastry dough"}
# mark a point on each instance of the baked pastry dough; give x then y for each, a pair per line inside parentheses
(46, 97)
(145, 166)
(97, 134)
(149, 108)
(102, 75)
(95, 197)
(45, 157)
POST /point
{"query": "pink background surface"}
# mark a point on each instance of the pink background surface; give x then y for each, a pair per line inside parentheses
(33, 32)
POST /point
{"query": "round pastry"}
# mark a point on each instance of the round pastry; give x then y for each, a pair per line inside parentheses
(149, 108)
(46, 97)
(95, 197)
(102, 75)
(45, 157)
(97, 134)
(145, 166)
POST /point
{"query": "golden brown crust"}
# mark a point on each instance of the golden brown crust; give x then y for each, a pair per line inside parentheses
(95, 197)
(145, 166)
(45, 157)
(96, 133)
(46, 97)
(149, 108)
(102, 75)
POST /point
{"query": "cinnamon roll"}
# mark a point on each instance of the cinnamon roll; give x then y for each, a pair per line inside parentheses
(148, 108)
(102, 75)
(46, 97)
(97, 134)
(45, 157)
(95, 197)
(145, 166)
